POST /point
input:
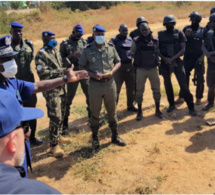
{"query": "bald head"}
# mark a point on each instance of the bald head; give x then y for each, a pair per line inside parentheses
(123, 30)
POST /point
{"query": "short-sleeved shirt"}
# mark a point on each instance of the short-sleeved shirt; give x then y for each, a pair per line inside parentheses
(97, 59)
(12, 183)
(69, 45)
(22, 90)
(24, 59)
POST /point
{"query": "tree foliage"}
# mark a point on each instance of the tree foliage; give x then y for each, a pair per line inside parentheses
(83, 5)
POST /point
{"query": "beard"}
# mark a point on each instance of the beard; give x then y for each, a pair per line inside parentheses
(20, 156)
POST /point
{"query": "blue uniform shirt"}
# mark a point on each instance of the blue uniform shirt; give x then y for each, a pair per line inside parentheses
(22, 90)
(12, 183)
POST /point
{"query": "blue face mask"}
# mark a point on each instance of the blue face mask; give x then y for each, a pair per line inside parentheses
(52, 43)
(100, 39)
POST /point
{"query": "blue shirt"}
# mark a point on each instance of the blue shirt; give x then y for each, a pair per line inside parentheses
(12, 183)
(22, 90)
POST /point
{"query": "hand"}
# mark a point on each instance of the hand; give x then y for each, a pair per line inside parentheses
(208, 54)
(65, 71)
(168, 60)
(98, 76)
(107, 75)
(188, 31)
(74, 76)
(200, 60)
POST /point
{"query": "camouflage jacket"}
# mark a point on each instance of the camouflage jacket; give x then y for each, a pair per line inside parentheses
(68, 45)
(49, 65)
(24, 59)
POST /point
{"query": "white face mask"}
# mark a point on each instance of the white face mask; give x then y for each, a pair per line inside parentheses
(10, 69)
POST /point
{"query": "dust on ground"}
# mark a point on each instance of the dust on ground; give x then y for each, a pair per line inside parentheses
(174, 155)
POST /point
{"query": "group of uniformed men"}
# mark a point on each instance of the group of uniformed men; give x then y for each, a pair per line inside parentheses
(130, 59)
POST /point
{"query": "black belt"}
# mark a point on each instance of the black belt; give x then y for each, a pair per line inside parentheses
(103, 80)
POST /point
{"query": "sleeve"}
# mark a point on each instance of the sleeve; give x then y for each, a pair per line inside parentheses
(25, 88)
(133, 48)
(43, 69)
(116, 56)
(63, 52)
(83, 59)
(182, 37)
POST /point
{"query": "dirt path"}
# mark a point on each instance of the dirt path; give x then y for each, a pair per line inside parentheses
(174, 155)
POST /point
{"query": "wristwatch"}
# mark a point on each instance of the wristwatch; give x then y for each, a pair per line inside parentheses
(65, 78)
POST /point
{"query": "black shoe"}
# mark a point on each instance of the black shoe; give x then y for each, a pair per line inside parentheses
(159, 114)
(118, 141)
(192, 112)
(139, 117)
(170, 109)
(35, 141)
(132, 109)
(208, 107)
(95, 144)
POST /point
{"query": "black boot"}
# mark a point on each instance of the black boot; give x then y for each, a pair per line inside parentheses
(208, 106)
(95, 142)
(115, 139)
(139, 113)
(65, 126)
(158, 113)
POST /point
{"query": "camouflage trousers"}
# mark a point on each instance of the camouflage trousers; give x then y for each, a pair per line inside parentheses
(56, 105)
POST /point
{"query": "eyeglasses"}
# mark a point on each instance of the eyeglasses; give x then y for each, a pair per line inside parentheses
(24, 125)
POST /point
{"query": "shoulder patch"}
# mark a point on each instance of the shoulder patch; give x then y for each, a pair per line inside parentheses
(28, 41)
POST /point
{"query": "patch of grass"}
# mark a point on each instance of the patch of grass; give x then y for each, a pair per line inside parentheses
(155, 149)
(160, 179)
(143, 190)
(79, 109)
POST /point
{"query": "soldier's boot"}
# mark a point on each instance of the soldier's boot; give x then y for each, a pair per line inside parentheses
(115, 139)
(95, 142)
(208, 106)
(198, 101)
(179, 101)
(158, 113)
(139, 113)
(65, 126)
(57, 151)
(64, 140)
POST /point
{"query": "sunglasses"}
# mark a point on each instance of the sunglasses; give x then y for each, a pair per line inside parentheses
(24, 125)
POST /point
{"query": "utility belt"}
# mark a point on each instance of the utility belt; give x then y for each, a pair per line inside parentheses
(103, 80)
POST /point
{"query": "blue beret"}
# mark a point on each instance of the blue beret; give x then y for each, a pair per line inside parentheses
(16, 25)
(98, 28)
(12, 113)
(5, 47)
(79, 28)
(47, 33)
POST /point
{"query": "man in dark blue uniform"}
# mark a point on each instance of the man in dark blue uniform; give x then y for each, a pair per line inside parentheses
(123, 43)
(23, 90)
(193, 56)
(12, 148)
(172, 46)
(209, 50)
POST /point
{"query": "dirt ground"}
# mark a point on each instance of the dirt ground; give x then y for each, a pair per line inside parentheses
(174, 155)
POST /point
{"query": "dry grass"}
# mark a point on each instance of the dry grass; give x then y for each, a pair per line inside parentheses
(61, 22)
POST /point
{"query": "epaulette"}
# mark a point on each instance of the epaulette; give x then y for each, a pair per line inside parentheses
(42, 50)
(111, 44)
(88, 45)
(28, 41)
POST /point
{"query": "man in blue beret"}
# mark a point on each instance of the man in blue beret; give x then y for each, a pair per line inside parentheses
(12, 148)
(23, 90)
(23, 59)
(101, 61)
(49, 65)
(70, 50)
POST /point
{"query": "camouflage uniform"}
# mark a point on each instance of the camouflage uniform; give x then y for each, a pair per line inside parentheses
(101, 60)
(49, 63)
(66, 47)
(23, 61)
